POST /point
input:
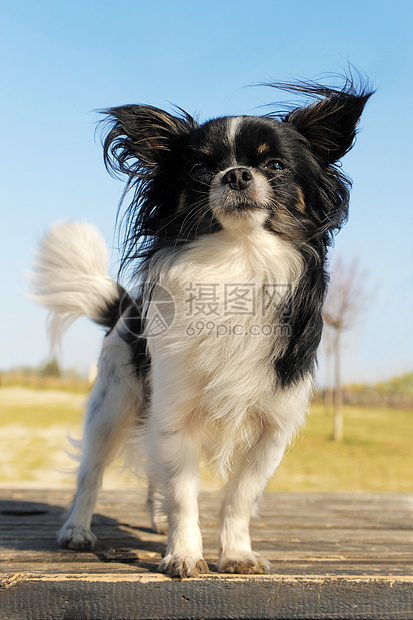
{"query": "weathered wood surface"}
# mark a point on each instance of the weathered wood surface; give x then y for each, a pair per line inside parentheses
(332, 555)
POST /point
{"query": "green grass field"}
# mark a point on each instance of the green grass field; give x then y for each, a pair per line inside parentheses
(376, 454)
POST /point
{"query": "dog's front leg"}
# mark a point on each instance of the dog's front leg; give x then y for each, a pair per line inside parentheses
(243, 491)
(178, 460)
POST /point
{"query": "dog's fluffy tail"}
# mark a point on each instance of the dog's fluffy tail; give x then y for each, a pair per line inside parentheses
(70, 278)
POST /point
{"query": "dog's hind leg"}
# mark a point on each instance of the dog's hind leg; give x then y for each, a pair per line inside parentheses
(154, 504)
(112, 405)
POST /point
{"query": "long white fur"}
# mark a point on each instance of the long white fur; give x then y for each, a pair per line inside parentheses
(70, 276)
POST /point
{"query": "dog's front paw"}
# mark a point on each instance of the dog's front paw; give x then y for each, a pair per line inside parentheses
(243, 563)
(177, 565)
(76, 537)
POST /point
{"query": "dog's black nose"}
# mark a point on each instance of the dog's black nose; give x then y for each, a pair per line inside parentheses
(237, 178)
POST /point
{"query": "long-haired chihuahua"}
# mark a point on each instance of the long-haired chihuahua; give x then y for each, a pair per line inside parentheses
(211, 352)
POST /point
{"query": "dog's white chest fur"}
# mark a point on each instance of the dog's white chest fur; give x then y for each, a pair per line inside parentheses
(228, 285)
(217, 353)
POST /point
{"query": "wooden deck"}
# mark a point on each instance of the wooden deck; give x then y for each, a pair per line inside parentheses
(332, 555)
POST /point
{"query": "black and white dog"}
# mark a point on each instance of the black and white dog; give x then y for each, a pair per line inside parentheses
(212, 356)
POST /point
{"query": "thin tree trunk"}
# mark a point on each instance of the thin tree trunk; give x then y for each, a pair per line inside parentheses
(328, 399)
(328, 390)
(338, 392)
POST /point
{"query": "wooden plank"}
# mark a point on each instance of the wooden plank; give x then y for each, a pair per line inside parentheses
(333, 556)
(91, 597)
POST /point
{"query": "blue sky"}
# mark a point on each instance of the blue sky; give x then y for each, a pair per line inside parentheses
(63, 60)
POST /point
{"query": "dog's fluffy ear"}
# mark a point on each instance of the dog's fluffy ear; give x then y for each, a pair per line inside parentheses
(142, 136)
(329, 123)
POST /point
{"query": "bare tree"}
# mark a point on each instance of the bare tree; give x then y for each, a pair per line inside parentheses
(345, 299)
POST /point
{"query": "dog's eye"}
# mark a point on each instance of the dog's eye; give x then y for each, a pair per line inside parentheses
(201, 170)
(275, 165)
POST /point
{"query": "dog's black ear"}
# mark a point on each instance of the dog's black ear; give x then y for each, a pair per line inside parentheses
(142, 136)
(330, 122)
